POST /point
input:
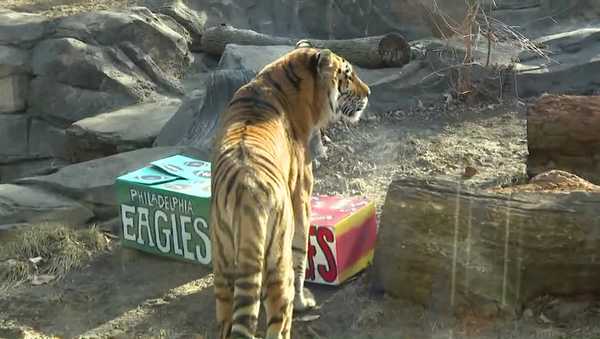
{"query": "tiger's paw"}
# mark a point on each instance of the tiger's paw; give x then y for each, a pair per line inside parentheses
(304, 301)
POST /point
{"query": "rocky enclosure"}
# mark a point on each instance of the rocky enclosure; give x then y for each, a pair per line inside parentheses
(89, 96)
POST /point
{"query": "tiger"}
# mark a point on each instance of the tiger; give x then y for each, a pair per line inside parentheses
(262, 183)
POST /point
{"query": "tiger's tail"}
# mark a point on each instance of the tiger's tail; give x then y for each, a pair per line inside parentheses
(254, 251)
(249, 231)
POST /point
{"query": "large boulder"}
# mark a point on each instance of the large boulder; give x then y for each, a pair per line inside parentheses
(13, 137)
(46, 141)
(74, 79)
(139, 26)
(27, 142)
(123, 130)
(15, 73)
(195, 122)
(92, 182)
(10, 172)
(101, 61)
(407, 87)
(64, 104)
(447, 245)
(252, 58)
(24, 205)
(327, 19)
(573, 68)
(14, 61)
(192, 21)
(21, 29)
(13, 93)
(14, 79)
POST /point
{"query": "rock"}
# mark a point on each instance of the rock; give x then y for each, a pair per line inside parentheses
(13, 61)
(72, 62)
(576, 56)
(21, 29)
(46, 141)
(65, 104)
(138, 26)
(29, 167)
(571, 41)
(19, 204)
(203, 63)
(92, 182)
(14, 78)
(29, 142)
(414, 19)
(13, 93)
(96, 62)
(123, 130)
(192, 21)
(147, 64)
(252, 58)
(329, 20)
(464, 248)
(404, 89)
(194, 82)
(13, 137)
(174, 130)
(194, 125)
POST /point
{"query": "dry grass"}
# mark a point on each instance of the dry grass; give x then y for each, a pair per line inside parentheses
(49, 250)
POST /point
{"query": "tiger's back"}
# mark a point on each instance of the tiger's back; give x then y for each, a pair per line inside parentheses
(262, 183)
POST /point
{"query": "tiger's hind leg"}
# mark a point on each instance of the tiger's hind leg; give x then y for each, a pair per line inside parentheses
(303, 299)
(278, 286)
(224, 297)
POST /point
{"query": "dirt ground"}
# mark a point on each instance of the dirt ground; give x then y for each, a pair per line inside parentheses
(128, 294)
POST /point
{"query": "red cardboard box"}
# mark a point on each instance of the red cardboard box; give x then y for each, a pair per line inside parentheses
(342, 238)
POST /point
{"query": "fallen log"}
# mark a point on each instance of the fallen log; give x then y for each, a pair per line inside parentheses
(563, 133)
(450, 248)
(215, 38)
(389, 50)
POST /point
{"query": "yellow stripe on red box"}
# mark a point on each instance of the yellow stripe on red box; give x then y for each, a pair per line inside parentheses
(342, 238)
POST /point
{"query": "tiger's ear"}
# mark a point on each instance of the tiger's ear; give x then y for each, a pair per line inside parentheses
(323, 60)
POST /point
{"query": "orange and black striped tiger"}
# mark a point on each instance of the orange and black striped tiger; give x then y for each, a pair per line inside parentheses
(262, 184)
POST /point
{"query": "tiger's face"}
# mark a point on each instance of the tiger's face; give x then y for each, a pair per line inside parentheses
(353, 93)
(348, 95)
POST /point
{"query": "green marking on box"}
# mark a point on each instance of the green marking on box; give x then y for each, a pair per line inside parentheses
(164, 209)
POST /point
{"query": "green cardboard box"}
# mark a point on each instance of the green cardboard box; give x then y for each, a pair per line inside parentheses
(164, 209)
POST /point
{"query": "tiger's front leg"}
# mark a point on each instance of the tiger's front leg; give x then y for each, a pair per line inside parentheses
(303, 298)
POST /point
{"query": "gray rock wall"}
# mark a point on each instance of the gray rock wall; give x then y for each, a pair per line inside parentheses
(56, 72)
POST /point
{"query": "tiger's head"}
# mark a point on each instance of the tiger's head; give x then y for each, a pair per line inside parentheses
(347, 94)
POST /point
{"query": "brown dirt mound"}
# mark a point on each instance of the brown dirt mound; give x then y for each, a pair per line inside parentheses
(553, 181)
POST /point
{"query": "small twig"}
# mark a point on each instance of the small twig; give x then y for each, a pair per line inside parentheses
(489, 38)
